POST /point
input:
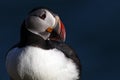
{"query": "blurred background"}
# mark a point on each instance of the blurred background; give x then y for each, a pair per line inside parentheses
(93, 30)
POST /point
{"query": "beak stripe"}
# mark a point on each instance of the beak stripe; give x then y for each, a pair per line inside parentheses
(63, 32)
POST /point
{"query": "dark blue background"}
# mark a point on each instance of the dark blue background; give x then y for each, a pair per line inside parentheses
(93, 30)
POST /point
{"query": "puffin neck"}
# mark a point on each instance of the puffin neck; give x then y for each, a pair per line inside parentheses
(28, 38)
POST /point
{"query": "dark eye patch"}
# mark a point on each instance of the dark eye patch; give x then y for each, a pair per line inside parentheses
(43, 16)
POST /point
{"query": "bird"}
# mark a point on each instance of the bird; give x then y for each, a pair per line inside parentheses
(41, 53)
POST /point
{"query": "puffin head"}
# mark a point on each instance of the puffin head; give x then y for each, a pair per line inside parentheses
(46, 24)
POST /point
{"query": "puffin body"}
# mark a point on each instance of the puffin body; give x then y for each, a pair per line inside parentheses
(41, 53)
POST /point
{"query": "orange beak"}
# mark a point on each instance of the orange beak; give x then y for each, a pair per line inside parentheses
(58, 33)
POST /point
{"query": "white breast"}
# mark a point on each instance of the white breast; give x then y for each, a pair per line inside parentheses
(32, 63)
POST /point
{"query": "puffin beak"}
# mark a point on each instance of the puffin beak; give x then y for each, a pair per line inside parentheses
(58, 33)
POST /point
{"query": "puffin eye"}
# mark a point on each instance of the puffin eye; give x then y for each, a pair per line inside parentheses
(43, 16)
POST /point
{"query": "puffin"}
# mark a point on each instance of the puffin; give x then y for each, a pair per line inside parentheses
(41, 53)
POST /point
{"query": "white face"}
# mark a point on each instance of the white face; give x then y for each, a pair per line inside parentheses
(45, 24)
(39, 20)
